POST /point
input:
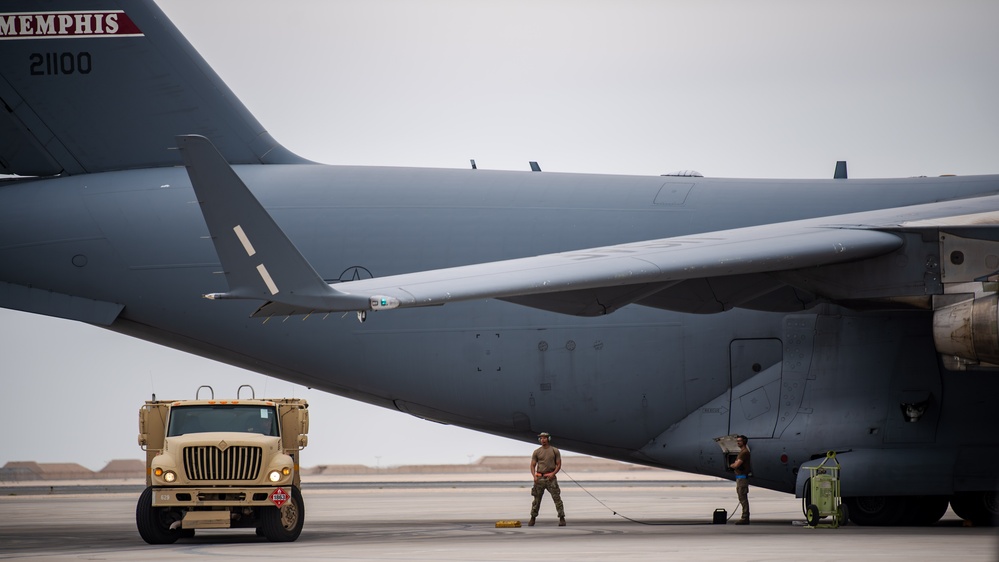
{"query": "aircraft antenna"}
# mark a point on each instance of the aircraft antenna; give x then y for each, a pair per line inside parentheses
(840, 173)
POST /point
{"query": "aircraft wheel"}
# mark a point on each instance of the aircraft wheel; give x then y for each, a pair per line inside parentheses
(981, 508)
(154, 522)
(284, 524)
(924, 510)
(879, 511)
(812, 515)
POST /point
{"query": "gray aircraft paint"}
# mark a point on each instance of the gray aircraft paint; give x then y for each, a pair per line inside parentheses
(129, 250)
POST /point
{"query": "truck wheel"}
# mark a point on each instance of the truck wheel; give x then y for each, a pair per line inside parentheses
(284, 524)
(154, 522)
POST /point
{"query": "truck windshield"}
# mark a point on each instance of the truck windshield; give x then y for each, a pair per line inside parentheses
(215, 417)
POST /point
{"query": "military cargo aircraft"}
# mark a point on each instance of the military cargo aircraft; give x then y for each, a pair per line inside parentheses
(638, 318)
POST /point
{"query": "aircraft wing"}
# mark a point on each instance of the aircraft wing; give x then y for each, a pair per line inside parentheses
(770, 267)
(649, 266)
(873, 255)
(881, 256)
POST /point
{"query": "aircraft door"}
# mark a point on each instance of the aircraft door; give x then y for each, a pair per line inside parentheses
(756, 378)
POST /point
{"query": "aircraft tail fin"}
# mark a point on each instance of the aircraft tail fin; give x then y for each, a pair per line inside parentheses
(259, 260)
(108, 88)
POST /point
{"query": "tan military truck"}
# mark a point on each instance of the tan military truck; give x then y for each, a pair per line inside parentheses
(219, 464)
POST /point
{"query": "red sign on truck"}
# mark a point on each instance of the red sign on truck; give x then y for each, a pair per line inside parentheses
(279, 497)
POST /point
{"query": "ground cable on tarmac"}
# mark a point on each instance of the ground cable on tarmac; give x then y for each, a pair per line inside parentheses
(621, 515)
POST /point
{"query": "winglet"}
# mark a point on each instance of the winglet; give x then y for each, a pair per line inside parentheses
(259, 260)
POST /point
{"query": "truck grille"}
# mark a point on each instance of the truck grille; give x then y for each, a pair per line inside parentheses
(231, 463)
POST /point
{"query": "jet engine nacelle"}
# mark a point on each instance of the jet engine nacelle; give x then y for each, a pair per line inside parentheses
(969, 330)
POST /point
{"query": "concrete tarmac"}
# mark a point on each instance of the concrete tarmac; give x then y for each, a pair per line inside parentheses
(456, 521)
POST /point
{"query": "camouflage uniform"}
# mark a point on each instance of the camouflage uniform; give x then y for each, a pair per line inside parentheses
(550, 484)
(546, 459)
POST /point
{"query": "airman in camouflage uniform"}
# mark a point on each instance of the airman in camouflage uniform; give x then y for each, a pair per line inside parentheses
(545, 464)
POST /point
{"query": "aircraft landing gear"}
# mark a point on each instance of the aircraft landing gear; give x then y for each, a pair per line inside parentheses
(924, 510)
(879, 511)
(886, 511)
(981, 508)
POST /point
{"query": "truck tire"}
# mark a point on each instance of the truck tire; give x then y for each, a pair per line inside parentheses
(154, 522)
(284, 524)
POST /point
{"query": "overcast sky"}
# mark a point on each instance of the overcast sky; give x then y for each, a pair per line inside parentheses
(731, 89)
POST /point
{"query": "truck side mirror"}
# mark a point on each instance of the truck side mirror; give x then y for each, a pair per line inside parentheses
(303, 428)
(303, 421)
(143, 431)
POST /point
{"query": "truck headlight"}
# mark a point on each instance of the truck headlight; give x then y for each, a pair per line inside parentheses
(168, 475)
(277, 475)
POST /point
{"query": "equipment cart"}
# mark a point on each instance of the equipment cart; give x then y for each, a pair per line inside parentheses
(822, 496)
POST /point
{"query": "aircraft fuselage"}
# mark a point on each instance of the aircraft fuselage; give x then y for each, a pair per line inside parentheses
(641, 384)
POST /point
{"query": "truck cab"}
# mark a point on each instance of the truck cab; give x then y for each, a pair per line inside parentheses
(217, 464)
